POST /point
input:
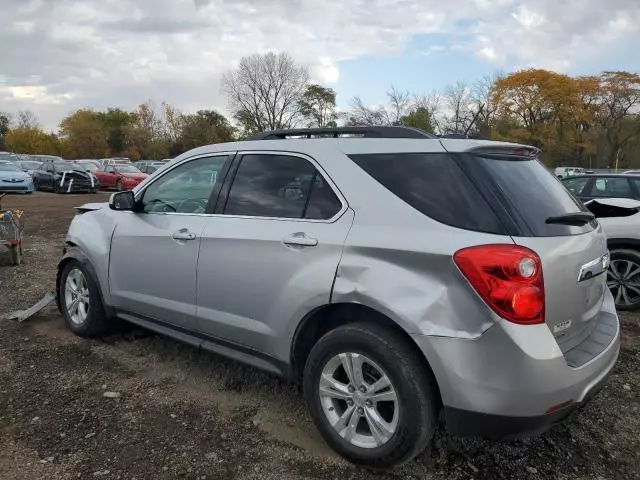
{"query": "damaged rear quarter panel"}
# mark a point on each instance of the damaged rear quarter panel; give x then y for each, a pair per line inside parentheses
(408, 274)
(91, 232)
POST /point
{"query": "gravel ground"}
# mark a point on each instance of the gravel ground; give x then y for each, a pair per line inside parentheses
(140, 406)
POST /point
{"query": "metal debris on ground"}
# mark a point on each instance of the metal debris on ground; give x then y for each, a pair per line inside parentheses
(22, 315)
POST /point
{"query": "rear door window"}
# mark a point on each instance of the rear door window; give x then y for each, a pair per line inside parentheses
(611, 187)
(532, 194)
(433, 184)
(280, 186)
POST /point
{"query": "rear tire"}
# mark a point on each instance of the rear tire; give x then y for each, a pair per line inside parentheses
(80, 301)
(623, 278)
(35, 185)
(403, 433)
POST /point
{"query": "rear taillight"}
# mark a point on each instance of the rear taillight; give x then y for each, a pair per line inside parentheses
(508, 278)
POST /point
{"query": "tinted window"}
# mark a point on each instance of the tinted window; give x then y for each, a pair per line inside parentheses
(323, 202)
(433, 184)
(282, 186)
(576, 185)
(186, 188)
(611, 187)
(533, 194)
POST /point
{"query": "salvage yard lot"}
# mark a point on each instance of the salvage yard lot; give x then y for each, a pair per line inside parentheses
(171, 411)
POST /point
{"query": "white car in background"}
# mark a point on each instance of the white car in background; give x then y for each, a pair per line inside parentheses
(620, 219)
(564, 172)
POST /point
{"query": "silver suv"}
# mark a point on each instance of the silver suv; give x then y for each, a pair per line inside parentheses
(397, 275)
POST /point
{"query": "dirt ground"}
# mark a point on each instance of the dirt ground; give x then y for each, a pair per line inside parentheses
(140, 406)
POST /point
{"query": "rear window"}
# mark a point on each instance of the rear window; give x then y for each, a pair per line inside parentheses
(533, 194)
(433, 184)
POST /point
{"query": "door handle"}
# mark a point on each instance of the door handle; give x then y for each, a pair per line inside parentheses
(183, 234)
(299, 239)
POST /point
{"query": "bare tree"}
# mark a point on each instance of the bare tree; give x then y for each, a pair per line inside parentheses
(458, 103)
(362, 115)
(483, 101)
(26, 119)
(398, 106)
(265, 91)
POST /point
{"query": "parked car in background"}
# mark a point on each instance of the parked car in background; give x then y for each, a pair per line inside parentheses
(28, 166)
(13, 179)
(88, 165)
(64, 177)
(8, 157)
(402, 279)
(115, 161)
(610, 185)
(47, 158)
(148, 166)
(120, 176)
(620, 219)
(564, 172)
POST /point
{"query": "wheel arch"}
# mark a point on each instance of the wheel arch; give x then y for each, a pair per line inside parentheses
(328, 317)
(71, 252)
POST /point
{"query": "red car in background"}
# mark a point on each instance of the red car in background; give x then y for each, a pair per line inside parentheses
(120, 177)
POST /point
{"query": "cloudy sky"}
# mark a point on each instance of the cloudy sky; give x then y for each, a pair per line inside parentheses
(59, 55)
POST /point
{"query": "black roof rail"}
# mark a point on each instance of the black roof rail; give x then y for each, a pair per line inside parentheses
(335, 132)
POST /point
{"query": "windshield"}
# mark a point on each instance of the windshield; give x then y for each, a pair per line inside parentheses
(127, 169)
(66, 167)
(9, 167)
(29, 165)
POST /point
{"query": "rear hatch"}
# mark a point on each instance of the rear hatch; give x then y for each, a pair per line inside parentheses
(543, 216)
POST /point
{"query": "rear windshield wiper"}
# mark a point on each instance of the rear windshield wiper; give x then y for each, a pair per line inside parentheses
(576, 219)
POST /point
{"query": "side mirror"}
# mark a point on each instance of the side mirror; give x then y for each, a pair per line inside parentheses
(122, 201)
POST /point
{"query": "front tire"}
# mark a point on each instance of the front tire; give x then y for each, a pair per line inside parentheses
(80, 301)
(369, 395)
(623, 278)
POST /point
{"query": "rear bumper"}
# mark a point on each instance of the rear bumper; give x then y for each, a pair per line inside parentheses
(512, 376)
(465, 423)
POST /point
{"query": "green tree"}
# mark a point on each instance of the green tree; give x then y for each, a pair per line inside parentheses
(118, 125)
(418, 118)
(84, 135)
(202, 128)
(318, 106)
(5, 122)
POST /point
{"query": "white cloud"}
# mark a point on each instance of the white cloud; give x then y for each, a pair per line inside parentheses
(75, 53)
(326, 71)
(528, 18)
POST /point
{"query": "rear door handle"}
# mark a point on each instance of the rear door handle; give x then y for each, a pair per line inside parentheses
(300, 239)
(183, 234)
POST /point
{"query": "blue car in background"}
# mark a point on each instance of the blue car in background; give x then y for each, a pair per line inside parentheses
(13, 179)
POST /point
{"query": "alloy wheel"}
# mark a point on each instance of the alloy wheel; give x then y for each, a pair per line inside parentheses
(359, 400)
(76, 296)
(623, 279)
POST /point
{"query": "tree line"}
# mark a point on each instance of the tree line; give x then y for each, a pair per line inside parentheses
(589, 121)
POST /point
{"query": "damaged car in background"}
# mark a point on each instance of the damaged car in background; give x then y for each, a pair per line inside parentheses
(620, 219)
(64, 177)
